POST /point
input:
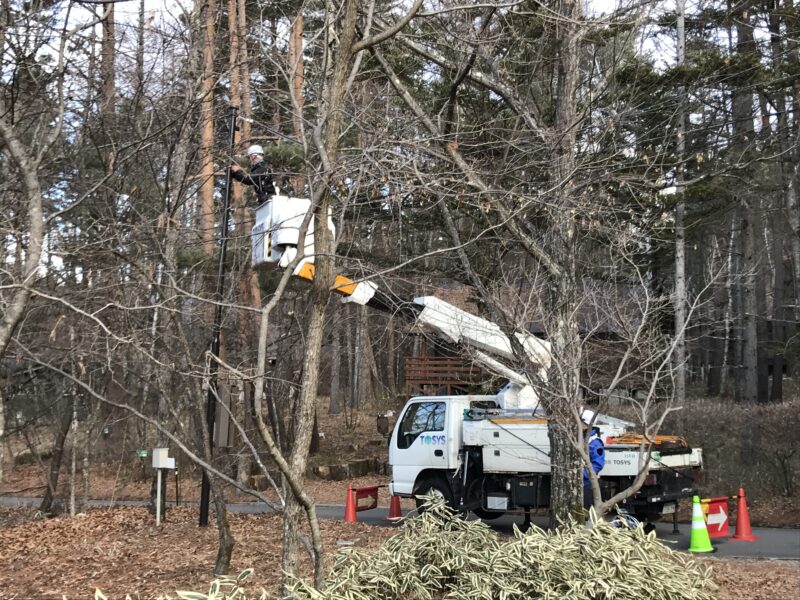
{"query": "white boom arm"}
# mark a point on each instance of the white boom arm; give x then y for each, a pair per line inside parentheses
(275, 239)
(464, 328)
(488, 341)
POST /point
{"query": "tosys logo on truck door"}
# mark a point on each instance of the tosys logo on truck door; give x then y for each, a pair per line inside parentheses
(432, 440)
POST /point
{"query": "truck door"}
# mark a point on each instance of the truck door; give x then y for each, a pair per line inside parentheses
(420, 442)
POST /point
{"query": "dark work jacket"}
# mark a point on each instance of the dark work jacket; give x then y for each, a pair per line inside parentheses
(259, 178)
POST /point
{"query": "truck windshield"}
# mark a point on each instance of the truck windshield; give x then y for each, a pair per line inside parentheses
(420, 417)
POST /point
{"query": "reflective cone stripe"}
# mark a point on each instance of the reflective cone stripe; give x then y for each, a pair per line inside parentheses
(700, 541)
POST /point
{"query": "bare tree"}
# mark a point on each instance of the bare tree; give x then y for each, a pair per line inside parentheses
(342, 51)
(28, 136)
(534, 179)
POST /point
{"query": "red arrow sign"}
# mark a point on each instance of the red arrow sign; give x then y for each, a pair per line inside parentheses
(717, 517)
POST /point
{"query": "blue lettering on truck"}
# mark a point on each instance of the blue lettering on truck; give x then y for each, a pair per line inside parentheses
(435, 440)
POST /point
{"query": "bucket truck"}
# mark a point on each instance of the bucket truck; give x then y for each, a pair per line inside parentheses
(489, 454)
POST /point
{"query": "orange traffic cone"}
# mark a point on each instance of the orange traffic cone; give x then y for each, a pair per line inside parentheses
(395, 512)
(350, 505)
(743, 532)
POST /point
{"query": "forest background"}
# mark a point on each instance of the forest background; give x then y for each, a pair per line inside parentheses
(620, 181)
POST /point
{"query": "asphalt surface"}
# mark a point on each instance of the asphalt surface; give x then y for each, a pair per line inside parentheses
(772, 543)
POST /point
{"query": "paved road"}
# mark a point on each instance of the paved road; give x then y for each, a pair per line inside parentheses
(773, 543)
(783, 544)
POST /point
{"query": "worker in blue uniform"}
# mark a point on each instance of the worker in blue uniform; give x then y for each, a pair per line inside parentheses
(597, 456)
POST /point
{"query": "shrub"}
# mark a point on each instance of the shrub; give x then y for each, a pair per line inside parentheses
(744, 445)
(438, 555)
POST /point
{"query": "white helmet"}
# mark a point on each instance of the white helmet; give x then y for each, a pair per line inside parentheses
(255, 149)
(587, 416)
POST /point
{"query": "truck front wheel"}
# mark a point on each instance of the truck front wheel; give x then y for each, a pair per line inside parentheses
(433, 486)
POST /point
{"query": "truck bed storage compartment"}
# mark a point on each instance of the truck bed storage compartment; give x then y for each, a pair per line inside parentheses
(510, 445)
(530, 491)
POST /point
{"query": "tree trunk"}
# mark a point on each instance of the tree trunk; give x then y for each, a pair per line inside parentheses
(206, 150)
(780, 203)
(334, 401)
(278, 81)
(87, 445)
(244, 69)
(296, 74)
(716, 342)
(367, 377)
(2, 434)
(563, 403)
(46, 505)
(314, 448)
(108, 57)
(778, 313)
(222, 564)
(353, 368)
(342, 22)
(793, 210)
(566, 493)
(14, 310)
(680, 233)
(792, 35)
(73, 466)
(743, 144)
(734, 305)
(749, 313)
(304, 410)
(391, 360)
(139, 77)
(762, 283)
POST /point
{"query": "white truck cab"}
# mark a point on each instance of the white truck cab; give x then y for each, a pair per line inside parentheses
(427, 437)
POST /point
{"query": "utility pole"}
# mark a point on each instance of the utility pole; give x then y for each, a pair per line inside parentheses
(211, 406)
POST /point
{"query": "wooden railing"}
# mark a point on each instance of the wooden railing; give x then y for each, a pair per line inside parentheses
(443, 375)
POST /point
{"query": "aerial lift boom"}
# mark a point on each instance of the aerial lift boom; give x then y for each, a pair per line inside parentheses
(489, 460)
(276, 237)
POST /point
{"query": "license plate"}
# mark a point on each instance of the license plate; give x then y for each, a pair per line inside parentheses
(668, 509)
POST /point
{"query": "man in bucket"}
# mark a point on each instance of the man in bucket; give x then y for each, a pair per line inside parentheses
(260, 178)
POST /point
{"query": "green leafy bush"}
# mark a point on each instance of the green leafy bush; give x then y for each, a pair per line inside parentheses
(438, 555)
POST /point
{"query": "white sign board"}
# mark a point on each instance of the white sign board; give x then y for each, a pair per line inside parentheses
(161, 460)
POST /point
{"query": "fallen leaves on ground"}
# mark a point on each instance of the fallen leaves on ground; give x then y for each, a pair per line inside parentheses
(756, 579)
(121, 551)
(126, 487)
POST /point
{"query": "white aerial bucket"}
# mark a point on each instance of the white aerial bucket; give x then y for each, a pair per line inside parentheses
(276, 233)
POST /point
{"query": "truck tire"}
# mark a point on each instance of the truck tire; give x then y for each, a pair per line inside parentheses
(432, 485)
(488, 515)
